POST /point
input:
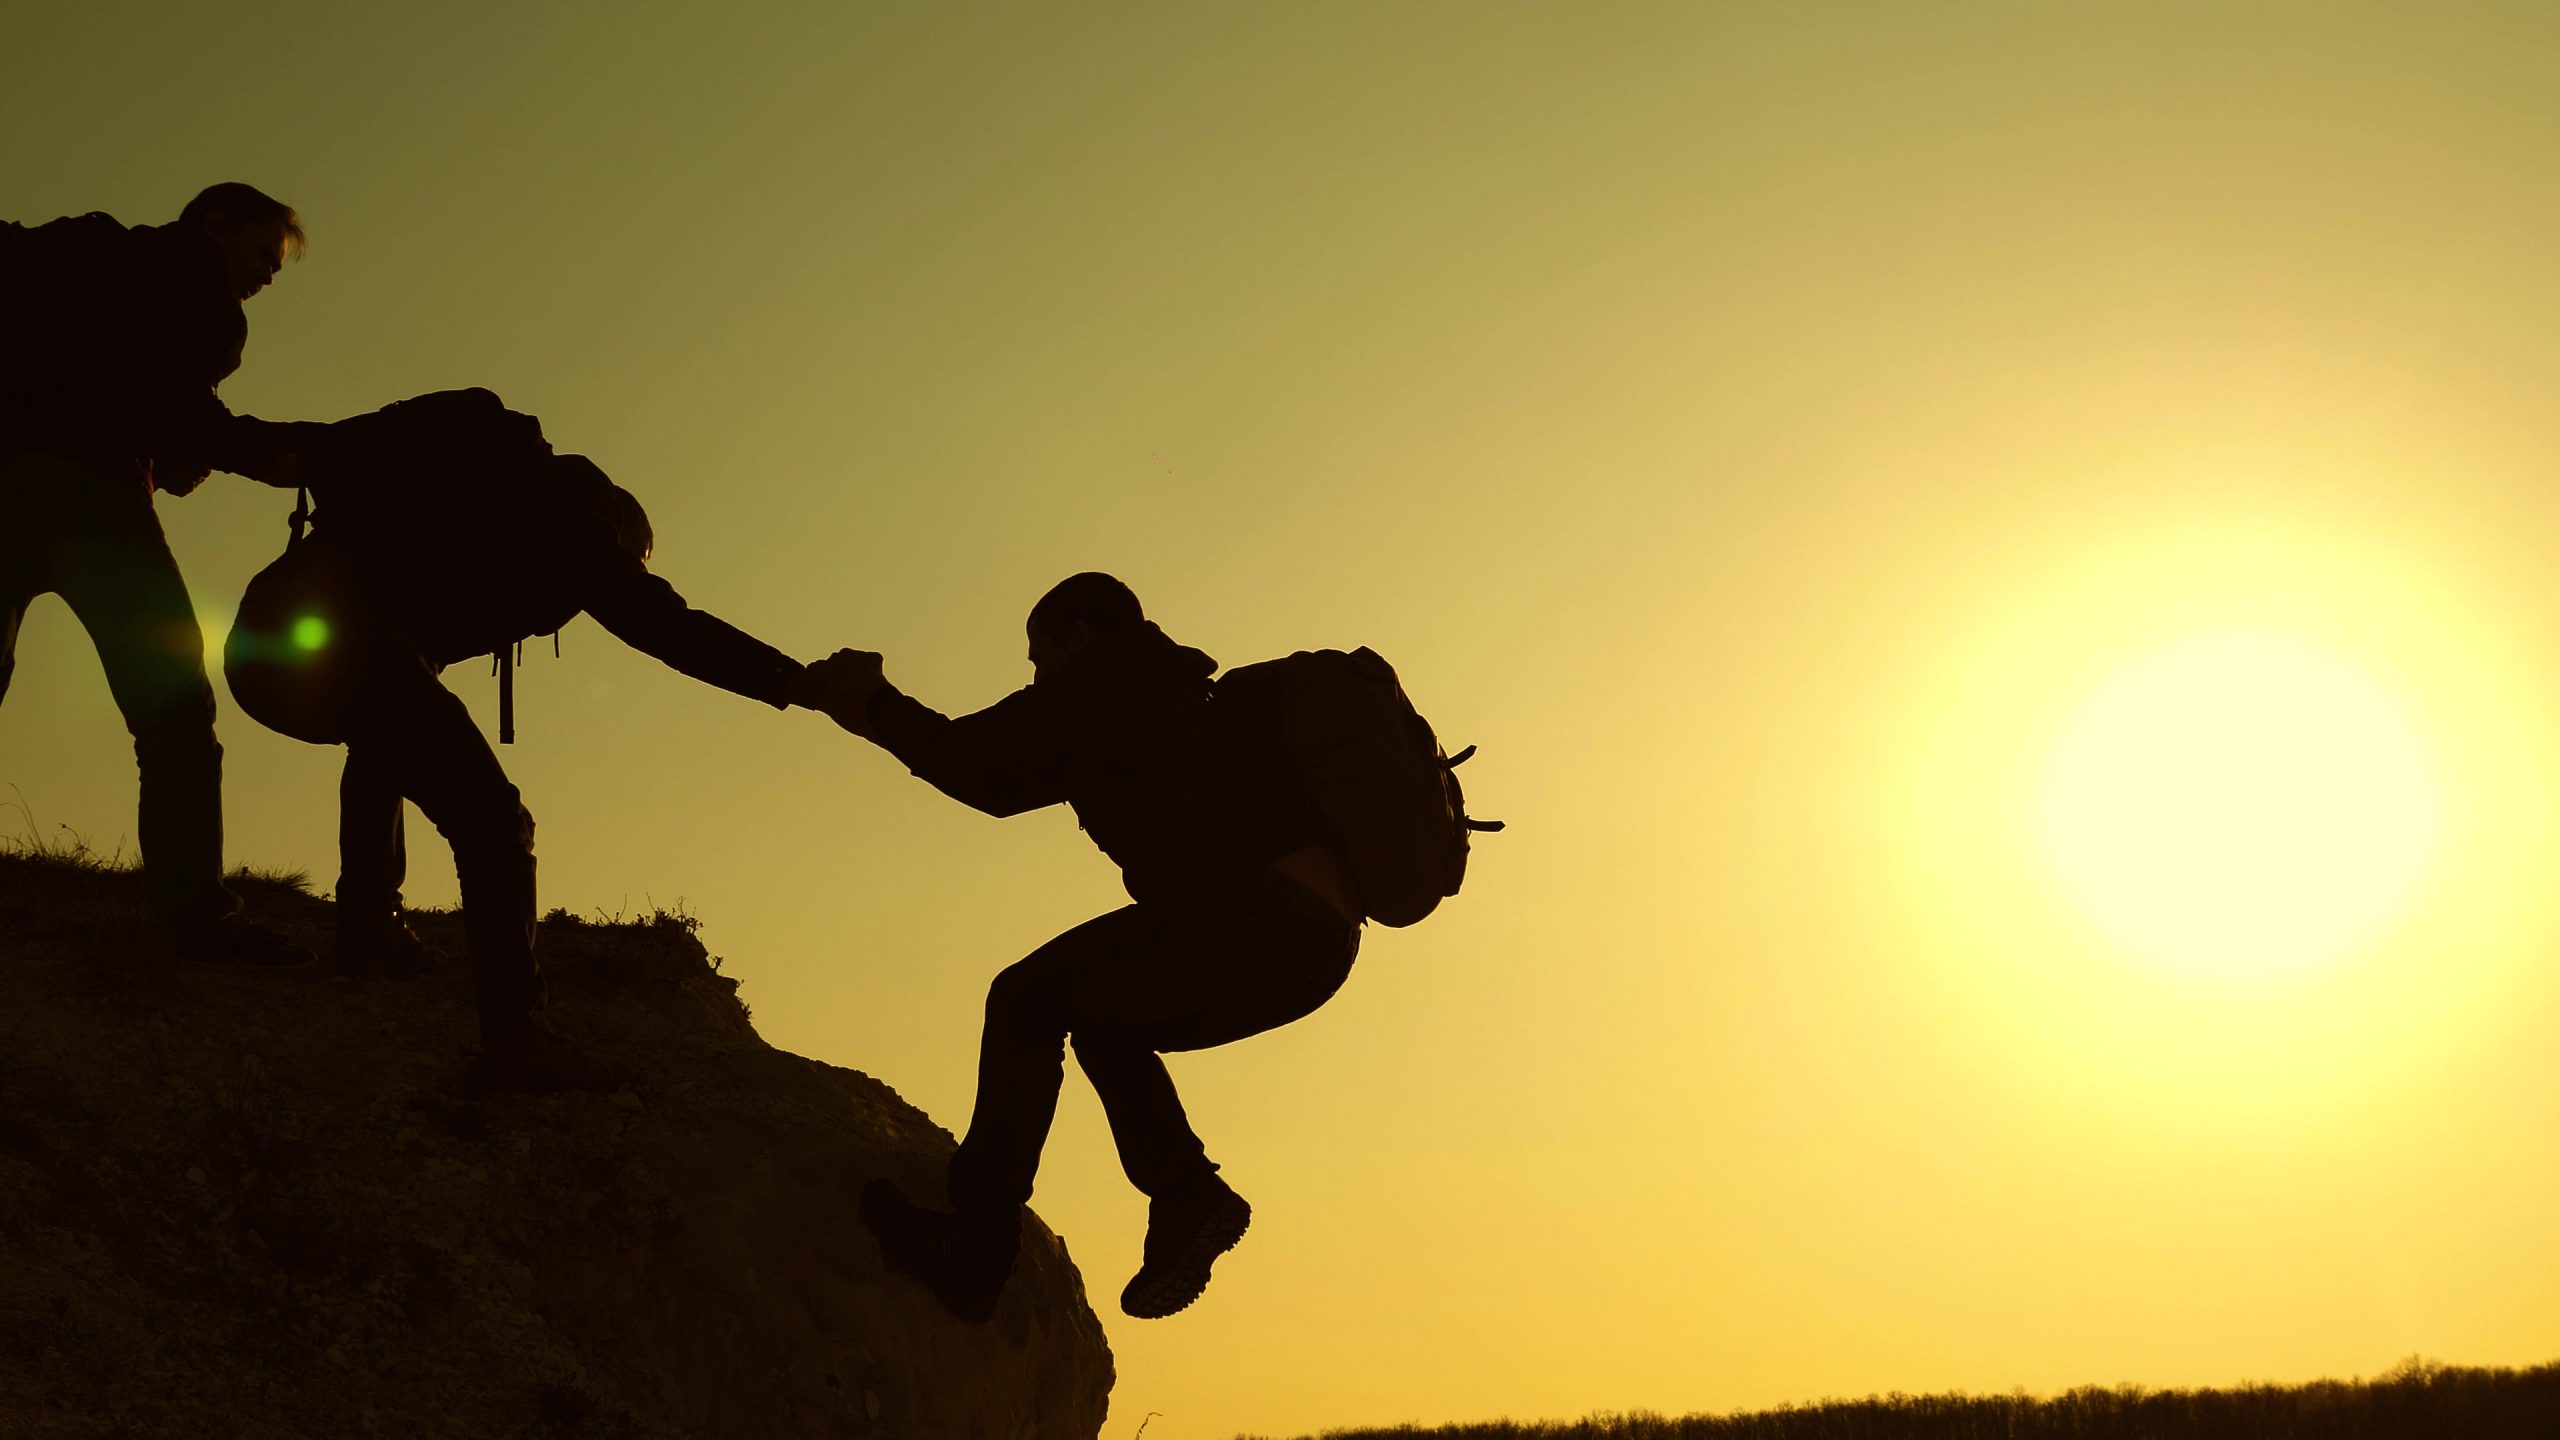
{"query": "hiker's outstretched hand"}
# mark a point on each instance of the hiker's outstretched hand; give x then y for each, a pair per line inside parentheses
(841, 686)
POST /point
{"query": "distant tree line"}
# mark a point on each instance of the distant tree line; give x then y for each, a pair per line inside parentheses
(2416, 1400)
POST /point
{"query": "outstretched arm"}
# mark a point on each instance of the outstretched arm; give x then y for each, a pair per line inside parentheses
(1003, 760)
(647, 614)
(267, 451)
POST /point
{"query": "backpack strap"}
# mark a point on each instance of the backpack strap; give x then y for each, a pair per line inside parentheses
(507, 692)
(506, 672)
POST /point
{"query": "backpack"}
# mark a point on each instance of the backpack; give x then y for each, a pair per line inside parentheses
(38, 263)
(1372, 766)
(430, 474)
(65, 300)
(17, 257)
(435, 479)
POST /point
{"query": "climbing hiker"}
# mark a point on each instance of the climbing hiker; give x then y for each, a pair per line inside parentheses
(446, 529)
(113, 339)
(1243, 918)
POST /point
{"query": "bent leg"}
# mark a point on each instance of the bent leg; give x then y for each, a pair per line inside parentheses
(1127, 985)
(1159, 1151)
(1022, 1058)
(1209, 977)
(406, 727)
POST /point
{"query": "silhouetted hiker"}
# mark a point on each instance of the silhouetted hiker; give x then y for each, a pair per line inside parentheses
(112, 341)
(1244, 919)
(446, 530)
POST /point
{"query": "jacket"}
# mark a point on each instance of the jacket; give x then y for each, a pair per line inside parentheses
(112, 343)
(469, 548)
(1125, 734)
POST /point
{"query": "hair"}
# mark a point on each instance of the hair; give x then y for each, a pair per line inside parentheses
(246, 205)
(1094, 598)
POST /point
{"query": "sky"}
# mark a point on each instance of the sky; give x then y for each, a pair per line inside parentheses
(1999, 557)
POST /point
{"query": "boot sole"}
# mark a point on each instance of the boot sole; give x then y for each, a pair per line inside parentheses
(1184, 1280)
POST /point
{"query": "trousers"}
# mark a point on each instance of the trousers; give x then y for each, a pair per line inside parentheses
(86, 531)
(317, 657)
(1124, 988)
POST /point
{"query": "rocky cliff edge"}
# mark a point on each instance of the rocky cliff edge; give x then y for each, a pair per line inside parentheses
(253, 1205)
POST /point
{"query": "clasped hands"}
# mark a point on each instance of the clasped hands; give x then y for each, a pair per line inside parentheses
(841, 686)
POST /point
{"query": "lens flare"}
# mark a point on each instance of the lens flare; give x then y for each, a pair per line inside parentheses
(310, 633)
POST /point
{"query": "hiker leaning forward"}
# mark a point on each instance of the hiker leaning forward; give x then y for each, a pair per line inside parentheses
(112, 341)
(446, 530)
(1243, 920)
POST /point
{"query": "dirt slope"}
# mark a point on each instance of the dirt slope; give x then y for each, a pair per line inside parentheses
(258, 1205)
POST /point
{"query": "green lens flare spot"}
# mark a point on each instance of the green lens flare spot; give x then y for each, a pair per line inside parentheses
(310, 633)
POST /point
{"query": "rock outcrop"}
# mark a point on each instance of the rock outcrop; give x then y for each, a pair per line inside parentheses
(253, 1205)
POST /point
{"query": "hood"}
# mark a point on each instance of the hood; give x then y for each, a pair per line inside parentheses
(1143, 652)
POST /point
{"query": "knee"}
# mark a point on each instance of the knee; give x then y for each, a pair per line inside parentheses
(496, 823)
(511, 824)
(178, 731)
(1019, 999)
(160, 682)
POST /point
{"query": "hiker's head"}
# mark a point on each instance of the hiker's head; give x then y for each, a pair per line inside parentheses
(1076, 612)
(252, 230)
(617, 507)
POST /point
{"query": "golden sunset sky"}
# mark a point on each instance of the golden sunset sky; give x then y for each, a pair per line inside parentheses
(2001, 557)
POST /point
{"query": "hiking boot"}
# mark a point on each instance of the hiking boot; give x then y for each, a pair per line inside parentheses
(1186, 1232)
(385, 948)
(233, 942)
(964, 1260)
(531, 1058)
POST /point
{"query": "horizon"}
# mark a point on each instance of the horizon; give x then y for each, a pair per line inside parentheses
(1818, 457)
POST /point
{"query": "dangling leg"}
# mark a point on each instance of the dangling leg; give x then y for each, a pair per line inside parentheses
(1200, 978)
(966, 1257)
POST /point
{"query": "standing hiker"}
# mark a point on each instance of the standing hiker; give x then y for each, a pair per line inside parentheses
(446, 530)
(1242, 919)
(112, 341)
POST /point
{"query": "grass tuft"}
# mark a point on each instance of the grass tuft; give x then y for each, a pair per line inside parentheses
(61, 845)
(290, 881)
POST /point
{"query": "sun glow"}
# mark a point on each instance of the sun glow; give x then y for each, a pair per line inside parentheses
(2240, 804)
